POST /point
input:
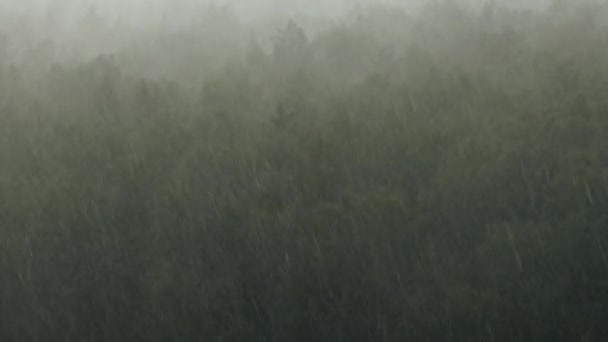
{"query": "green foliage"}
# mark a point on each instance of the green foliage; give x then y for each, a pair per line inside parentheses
(432, 178)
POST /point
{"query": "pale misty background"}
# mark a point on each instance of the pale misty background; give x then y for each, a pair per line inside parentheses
(303, 170)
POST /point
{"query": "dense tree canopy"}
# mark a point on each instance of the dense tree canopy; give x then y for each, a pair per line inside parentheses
(439, 176)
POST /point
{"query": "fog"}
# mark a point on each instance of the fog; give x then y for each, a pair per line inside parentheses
(150, 11)
(290, 170)
(74, 30)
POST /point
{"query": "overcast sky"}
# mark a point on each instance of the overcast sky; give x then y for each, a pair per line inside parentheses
(243, 7)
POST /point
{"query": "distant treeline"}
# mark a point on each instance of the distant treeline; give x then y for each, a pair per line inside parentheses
(392, 177)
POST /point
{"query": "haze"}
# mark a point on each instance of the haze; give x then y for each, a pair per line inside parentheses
(327, 171)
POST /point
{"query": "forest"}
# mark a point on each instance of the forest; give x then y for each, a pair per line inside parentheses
(388, 174)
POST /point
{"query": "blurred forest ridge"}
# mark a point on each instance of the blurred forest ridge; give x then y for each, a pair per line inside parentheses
(303, 170)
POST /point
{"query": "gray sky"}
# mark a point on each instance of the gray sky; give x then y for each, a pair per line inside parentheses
(179, 12)
(141, 8)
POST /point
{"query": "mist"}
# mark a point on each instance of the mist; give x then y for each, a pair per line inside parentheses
(373, 170)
